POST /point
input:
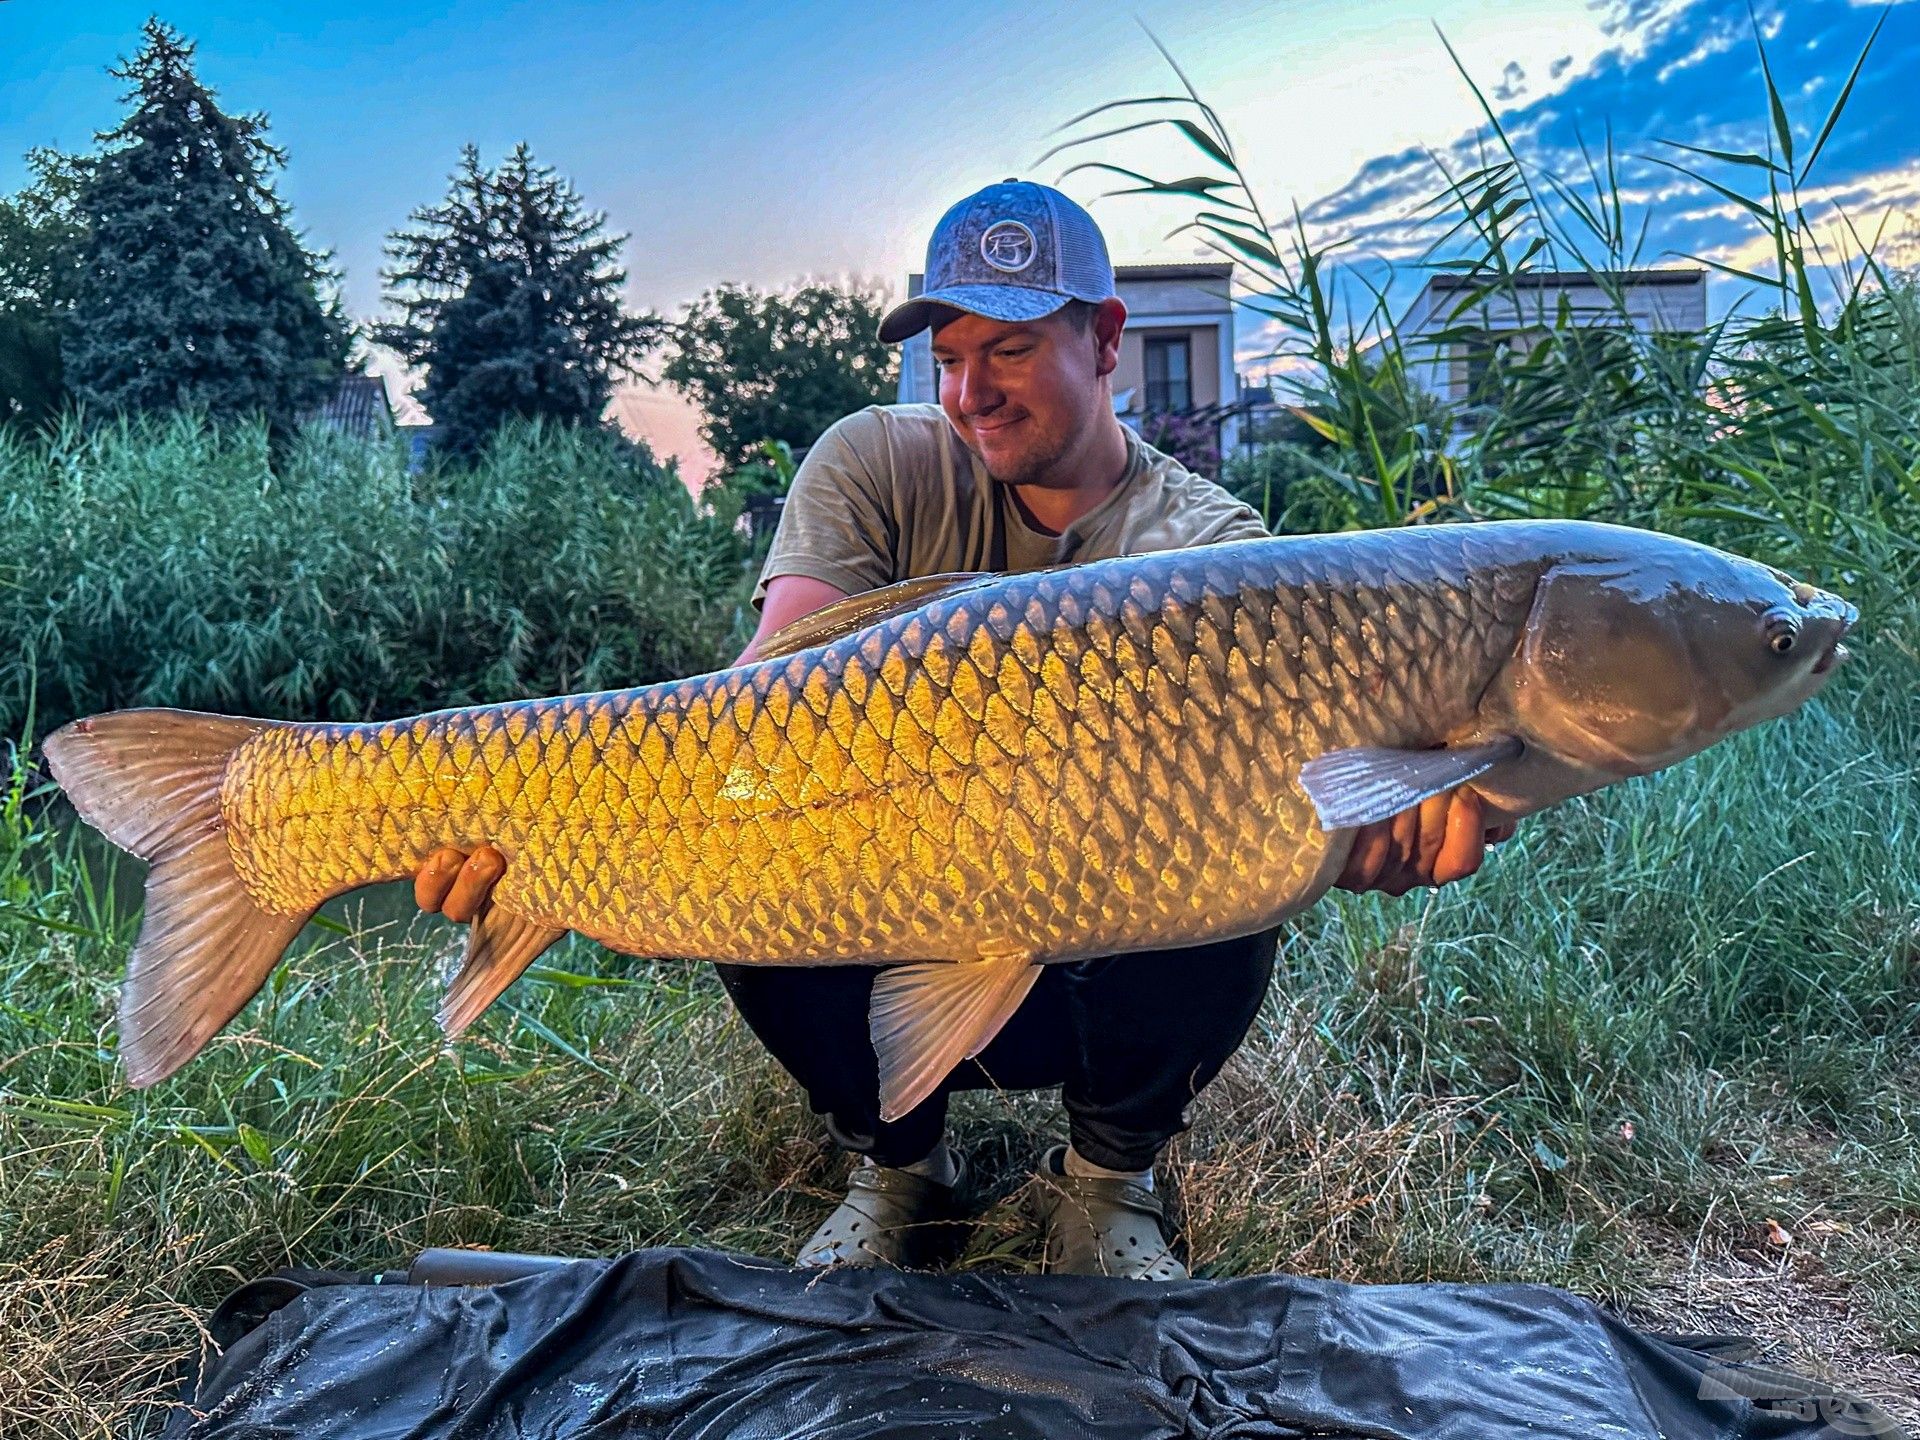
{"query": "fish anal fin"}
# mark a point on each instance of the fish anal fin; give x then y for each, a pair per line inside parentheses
(856, 612)
(926, 1019)
(500, 947)
(1364, 783)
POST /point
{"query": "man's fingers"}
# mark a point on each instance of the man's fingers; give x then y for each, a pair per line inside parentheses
(1464, 845)
(1503, 831)
(1372, 845)
(1435, 812)
(1406, 838)
(434, 878)
(474, 883)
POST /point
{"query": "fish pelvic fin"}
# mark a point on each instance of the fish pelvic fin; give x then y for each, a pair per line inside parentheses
(500, 947)
(1364, 783)
(926, 1019)
(150, 780)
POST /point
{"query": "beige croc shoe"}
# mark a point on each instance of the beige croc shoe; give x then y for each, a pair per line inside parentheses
(1098, 1226)
(891, 1219)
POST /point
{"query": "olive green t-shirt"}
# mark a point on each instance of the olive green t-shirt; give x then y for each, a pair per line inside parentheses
(891, 493)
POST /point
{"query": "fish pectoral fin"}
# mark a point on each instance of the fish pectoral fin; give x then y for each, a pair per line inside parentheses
(926, 1019)
(1364, 783)
(499, 950)
(870, 607)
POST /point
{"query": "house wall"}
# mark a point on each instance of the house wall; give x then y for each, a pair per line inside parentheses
(1678, 303)
(1179, 295)
(1653, 307)
(1203, 345)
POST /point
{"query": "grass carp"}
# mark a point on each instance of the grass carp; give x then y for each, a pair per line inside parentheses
(963, 777)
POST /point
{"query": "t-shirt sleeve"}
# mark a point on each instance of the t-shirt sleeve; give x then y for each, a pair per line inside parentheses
(1240, 521)
(835, 525)
(1207, 513)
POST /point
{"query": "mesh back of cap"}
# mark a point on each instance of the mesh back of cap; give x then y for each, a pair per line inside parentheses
(1085, 269)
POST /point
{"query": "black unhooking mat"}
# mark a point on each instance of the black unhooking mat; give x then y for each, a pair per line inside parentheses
(692, 1343)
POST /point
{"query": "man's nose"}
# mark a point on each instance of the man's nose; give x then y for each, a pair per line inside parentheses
(978, 393)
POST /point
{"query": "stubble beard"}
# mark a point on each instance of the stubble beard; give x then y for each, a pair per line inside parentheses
(1041, 469)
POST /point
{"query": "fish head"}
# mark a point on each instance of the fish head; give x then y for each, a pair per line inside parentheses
(1636, 659)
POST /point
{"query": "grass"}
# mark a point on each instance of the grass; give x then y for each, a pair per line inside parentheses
(1660, 1051)
(169, 561)
(1661, 1018)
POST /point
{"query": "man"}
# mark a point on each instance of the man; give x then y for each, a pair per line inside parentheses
(1023, 464)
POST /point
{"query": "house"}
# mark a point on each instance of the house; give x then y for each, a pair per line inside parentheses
(1176, 354)
(1450, 338)
(358, 407)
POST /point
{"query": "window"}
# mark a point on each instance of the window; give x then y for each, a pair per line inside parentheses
(1169, 372)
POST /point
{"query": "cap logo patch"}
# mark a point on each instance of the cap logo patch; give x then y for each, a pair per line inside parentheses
(1008, 245)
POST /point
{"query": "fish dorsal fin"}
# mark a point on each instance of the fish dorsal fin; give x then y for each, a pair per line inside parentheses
(926, 1019)
(500, 948)
(856, 612)
(1364, 783)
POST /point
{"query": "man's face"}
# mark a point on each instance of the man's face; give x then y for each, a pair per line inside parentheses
(1025, 396)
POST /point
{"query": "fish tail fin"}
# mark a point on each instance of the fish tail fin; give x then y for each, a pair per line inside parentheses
(150, 781)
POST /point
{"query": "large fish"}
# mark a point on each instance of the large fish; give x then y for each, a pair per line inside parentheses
(964, 777)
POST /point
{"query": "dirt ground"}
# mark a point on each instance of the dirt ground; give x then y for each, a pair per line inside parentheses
(1799, 1317)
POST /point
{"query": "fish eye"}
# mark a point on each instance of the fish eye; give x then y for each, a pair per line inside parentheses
(1782, 632)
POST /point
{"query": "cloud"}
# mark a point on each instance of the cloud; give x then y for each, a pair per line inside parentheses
(1673, 71)
(1721, 36)
(1847, 215)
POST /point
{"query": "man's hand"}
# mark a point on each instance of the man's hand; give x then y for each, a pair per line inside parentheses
(457, 884)
(1438, 841)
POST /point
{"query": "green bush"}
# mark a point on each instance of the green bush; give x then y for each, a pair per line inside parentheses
(171, 562)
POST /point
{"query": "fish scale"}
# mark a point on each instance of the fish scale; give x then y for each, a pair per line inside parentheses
(1129, 754)
(1060, 764)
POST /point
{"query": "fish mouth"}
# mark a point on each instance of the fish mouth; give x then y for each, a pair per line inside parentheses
(1837, 653)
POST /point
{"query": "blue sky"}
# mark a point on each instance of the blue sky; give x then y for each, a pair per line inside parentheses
(767, 142)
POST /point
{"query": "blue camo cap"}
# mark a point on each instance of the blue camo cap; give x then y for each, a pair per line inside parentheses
(1013, 251)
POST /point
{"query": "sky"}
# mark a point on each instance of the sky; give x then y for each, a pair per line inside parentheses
(769, 143)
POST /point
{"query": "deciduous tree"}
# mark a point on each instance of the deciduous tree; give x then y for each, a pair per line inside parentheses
(778, 366)
(40, 241)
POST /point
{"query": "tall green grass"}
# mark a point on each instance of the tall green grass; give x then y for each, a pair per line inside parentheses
(1789, 429)
(1659, 1018)
(172, 562)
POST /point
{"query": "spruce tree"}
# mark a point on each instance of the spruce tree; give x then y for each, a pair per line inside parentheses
(192, 290)
(509, 293)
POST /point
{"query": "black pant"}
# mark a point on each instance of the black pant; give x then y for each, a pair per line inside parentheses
(1130, 1039)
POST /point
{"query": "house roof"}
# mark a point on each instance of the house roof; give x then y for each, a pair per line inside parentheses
(1188, 270)
(358, 406)
(1566, 280)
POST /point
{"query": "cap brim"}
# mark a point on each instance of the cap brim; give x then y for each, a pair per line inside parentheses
(993, 302)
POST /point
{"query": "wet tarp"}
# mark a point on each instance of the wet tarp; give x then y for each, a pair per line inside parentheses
(688, 1343)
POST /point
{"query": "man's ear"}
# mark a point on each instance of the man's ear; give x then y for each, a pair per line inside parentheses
(1109, 319)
